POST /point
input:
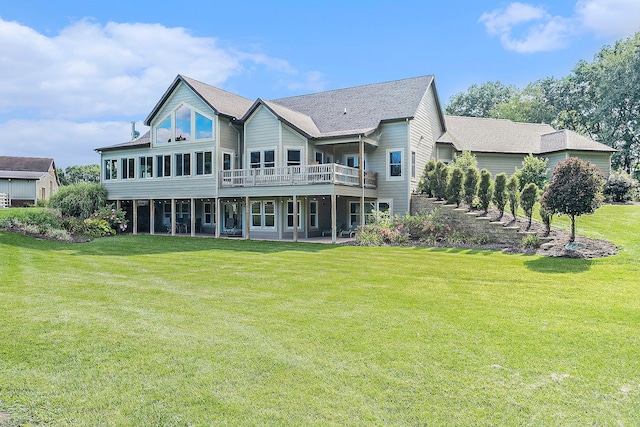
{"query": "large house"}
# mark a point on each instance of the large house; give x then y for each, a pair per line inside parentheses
(24, 180)
(319, 164)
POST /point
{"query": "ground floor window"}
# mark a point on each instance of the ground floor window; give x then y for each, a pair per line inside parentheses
(313, 214)
(263, 214)
(208, 213)
(290, 215)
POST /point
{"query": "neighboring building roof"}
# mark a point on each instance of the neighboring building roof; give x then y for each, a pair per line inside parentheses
(143, 141)
(222, 102)
(505, 136)
(359, 109)
(25, 167)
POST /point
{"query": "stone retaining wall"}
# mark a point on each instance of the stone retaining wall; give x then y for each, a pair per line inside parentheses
(471, 223)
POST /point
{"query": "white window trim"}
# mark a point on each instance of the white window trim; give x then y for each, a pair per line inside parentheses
(301, 215)
(387, 165)
(232, 154)
(262, 225)
(303, 159)
(313, 227)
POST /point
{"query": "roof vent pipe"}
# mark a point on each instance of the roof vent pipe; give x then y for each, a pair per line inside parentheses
(345, 111)
(134, 133)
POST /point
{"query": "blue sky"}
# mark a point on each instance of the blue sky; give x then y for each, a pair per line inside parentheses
(74, 74)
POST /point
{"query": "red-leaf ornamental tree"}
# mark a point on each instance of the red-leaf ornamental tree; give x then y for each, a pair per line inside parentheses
(575, 189)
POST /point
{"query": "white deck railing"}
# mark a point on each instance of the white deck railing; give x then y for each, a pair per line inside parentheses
(297, 175)
(4, 200)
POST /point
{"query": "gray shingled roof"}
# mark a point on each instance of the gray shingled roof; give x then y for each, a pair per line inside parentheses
(225, 103)
(359, 109)
(505, 136)
(143, 141)
(24, 167)
(26, 164)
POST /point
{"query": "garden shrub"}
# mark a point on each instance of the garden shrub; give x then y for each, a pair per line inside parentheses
(465, 160)
(424, 186)
(79, 200)
(500, 193)
(484, 190)
(441, 174)
(454, 186)
(619, 186)
(547, 217)
(471, 179)
(513, 192)
(528, 200)
(534, 170)
(531, 241)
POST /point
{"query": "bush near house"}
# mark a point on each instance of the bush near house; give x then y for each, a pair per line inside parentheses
(485, 190)
(619, 186)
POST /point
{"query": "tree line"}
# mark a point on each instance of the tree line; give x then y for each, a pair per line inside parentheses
(598, 99)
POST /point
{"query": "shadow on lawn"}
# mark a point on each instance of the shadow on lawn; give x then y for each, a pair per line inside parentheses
(559, 265)
(129, 245)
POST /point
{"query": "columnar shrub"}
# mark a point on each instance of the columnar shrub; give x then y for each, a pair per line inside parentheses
(500, 192)
(546, 217)
(424, 186)
(441, 173)
(528, 200)
(513, 191)
(484, 190)
(454, 186)
(471, 179)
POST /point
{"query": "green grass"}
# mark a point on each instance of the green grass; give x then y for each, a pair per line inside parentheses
(160, 330)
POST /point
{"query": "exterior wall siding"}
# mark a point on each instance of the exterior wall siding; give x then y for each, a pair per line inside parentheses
(601, 160)
(262, 131)
(394, 136)
(291, 139)
(425, 130)
(498, 163)
(19, 189)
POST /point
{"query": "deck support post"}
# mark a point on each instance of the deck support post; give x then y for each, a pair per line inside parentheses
(152, 216)
(173, 217)
(218, 216)
(134, 208)
(333, 219)
(295, 218)
(193, 217)
(247, 214)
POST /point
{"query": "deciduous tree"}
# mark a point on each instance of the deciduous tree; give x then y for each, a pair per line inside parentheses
(575, 189)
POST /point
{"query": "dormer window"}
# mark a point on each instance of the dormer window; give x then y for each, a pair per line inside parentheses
(184, 124)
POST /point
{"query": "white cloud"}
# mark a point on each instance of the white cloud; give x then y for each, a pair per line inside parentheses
(67, 142)
(610, 18)
(542, 31)
(63, 95)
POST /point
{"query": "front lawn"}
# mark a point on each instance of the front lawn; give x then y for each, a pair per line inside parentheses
(161, 330)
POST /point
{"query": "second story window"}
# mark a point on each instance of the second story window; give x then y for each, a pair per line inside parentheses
(294, 156)
(183, 124)
(163, 166)
(394, 167)
(110, 169)
(146, 167)
(204, 164)
(183, 164)
(128, 168)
